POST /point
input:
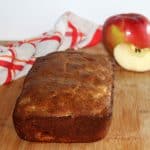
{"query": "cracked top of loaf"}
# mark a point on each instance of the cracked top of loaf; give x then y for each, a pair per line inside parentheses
(67, 84)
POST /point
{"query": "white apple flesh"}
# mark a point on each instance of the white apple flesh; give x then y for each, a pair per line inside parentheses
(131, 58)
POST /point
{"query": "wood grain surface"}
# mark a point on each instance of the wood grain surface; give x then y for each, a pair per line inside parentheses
(130, 128)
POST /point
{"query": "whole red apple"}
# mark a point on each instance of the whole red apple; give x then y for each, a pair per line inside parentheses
(129, 28)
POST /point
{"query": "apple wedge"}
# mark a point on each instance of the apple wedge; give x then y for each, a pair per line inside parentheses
(131, 58)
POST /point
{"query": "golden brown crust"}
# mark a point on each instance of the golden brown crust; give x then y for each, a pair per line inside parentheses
(63, 129)
(66, 84)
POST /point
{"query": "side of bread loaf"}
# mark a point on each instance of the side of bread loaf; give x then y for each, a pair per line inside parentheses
(66, 97)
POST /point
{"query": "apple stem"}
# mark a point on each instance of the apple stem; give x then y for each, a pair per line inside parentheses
(137, 50)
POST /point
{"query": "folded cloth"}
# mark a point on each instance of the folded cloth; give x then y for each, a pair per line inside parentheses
(70, 31)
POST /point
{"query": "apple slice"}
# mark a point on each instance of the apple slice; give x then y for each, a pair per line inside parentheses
(131, 58)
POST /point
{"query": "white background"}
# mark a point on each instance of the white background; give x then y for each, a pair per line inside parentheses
(21, 19)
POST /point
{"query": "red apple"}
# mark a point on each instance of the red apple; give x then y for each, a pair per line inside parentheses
(128, 28)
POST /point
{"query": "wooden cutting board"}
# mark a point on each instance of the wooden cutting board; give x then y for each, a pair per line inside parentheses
(130, 128)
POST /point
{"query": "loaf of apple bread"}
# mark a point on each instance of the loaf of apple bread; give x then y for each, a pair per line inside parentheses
(66, 97)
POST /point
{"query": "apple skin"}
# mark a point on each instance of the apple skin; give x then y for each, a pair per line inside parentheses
(129, 28)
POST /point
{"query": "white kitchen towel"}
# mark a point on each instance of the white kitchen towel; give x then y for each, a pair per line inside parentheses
(70, 31)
